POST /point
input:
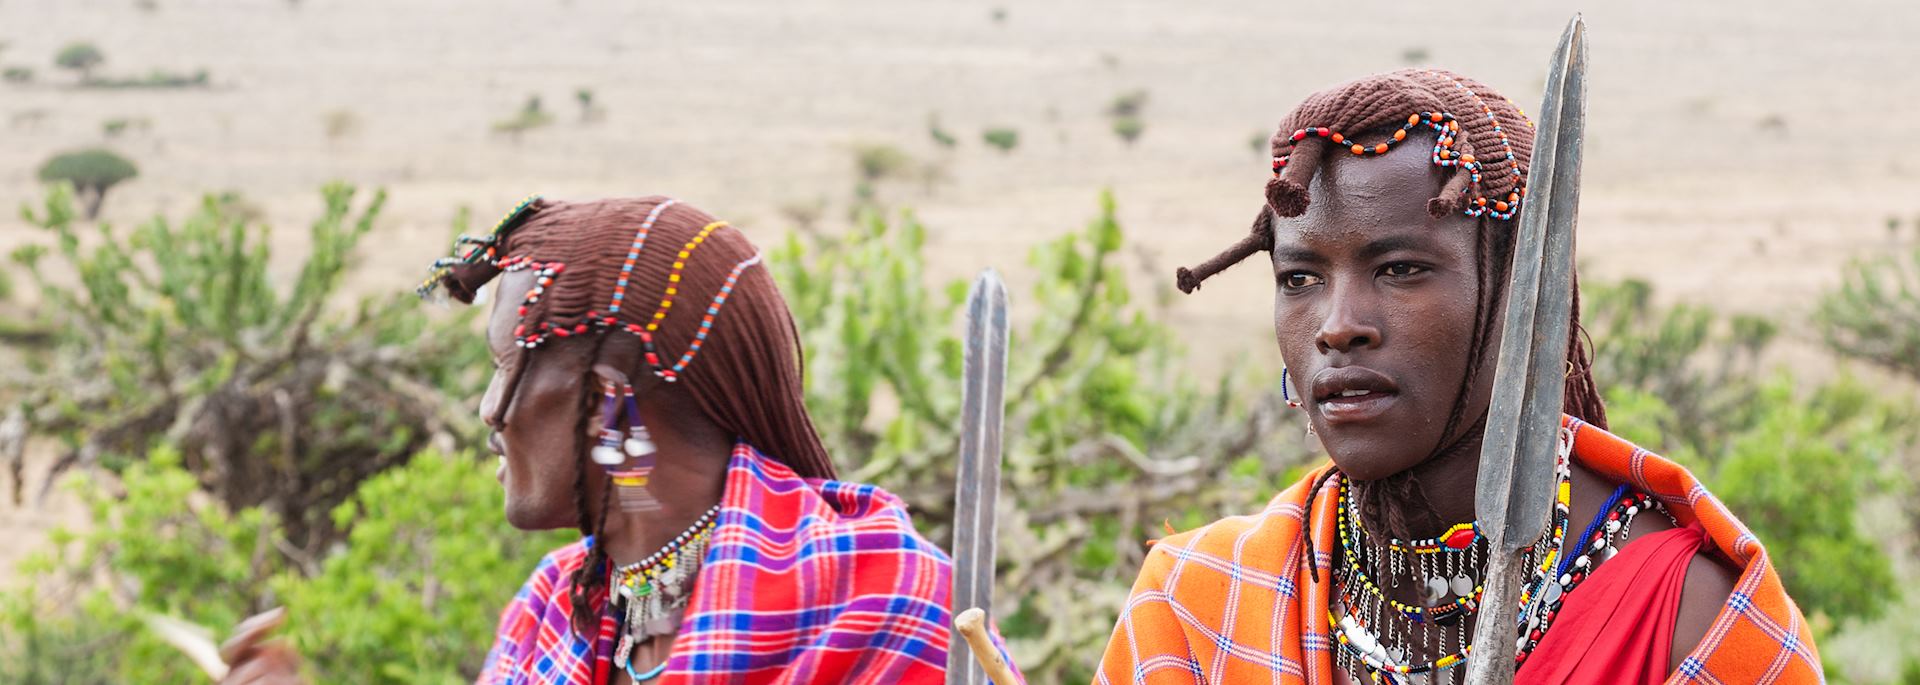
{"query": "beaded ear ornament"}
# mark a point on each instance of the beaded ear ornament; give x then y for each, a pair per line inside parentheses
(628, 459)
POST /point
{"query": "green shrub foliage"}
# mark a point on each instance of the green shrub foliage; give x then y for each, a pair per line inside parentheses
(177, 335)
(1875, 314)
(1684, 382)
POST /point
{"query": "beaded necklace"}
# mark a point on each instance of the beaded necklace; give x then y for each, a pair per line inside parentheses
(1372, 640)
(1597, 545)
(652, 593)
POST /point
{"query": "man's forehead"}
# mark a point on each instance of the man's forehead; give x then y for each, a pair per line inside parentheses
(510, 289)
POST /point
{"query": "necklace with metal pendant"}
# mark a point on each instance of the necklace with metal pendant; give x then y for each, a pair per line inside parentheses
(651, 594)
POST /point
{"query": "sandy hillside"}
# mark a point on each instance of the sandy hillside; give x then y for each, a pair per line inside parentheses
(1737, 155)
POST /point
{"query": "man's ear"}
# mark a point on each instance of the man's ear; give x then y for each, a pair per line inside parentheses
(619, 356)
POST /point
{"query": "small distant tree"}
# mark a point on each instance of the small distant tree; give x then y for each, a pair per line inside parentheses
(1415, 55)
(1259, 142)
(877, 162)
(91, 172)
(1129, 104)
(532, 115)
(17, 74)
(1002, 138)
(80, 57)
(940, 135)
(589, 110)
(880, 161)
(1128, 128)
(1127, 111)
(341, 123)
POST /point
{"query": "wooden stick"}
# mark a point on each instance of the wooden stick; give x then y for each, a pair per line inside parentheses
(193, 640)
(972, 623)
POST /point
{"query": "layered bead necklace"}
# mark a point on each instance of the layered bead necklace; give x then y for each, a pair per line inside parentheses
(651, 594)
(1377, 633)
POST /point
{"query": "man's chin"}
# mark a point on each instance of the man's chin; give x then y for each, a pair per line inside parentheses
(1365, 455)
(533, 518)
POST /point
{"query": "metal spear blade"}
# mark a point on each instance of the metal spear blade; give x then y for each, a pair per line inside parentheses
(1516, 481)
(1514, 491)
(983, 407)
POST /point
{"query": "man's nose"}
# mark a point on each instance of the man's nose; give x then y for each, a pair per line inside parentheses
(1348, 325)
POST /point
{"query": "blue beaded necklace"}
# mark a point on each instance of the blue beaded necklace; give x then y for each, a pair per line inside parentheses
(649, 675)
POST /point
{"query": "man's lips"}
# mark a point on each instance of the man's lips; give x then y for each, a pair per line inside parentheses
(499, 448)
(1352, 393)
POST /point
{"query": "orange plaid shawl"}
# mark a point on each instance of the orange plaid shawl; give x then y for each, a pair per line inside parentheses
(1224, 603)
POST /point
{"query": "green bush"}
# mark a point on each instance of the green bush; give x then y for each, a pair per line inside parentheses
(17, 74)
(1874, 315)
(416, 592)
(176, 335)
(158, 78)
(1685, 382)
(940, 135)
(91, 172)
(412, 597)
(1001, 138)
(166, 550)
(1129, 129)
(1129, 104)
(531, 116)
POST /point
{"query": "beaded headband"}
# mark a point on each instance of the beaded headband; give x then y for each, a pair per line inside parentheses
(1444, 155)
(532, 336)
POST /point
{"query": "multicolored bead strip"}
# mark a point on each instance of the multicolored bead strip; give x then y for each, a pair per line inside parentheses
(633, 254)
(1448, 128)
(706, 320)
(679, 266)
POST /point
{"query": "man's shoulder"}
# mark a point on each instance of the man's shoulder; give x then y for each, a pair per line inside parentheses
(1259, 547)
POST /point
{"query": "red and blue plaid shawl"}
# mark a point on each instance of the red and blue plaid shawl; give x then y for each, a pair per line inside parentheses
(805, 581)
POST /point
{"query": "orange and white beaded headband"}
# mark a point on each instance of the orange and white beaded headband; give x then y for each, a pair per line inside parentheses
(1443, 155)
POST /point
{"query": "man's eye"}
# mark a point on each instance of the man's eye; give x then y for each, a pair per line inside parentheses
(1295, 280)
(1402, 269)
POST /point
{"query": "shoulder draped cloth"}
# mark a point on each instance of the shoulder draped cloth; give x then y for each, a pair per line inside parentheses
(804, 581)
(1230, 602)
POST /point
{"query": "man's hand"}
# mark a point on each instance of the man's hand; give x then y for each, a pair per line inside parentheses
(253, 659)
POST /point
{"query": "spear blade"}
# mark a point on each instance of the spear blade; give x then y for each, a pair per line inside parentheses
(1513, 494)
(977, 488)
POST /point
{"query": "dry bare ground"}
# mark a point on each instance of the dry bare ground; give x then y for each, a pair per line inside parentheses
(1739, 152)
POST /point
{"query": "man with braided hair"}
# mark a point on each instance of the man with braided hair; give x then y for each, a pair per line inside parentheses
(1390, 223)
(647, 390)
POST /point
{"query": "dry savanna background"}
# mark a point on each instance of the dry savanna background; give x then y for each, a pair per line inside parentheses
(1741, 159)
